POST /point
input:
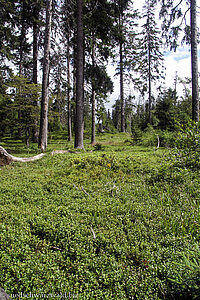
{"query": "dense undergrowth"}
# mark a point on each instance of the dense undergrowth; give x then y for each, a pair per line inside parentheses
(120, 222)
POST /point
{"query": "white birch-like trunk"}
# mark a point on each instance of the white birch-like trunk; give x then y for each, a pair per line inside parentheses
(45, 97)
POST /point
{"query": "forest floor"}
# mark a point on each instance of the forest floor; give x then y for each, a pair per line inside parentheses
(119, 222)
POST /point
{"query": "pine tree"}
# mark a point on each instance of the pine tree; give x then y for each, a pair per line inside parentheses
(150, 57)
(171, 12)
(99, 18)
(126, 41)
(68, 23)
(7, 33)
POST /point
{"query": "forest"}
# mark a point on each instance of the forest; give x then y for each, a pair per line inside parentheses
(98, 200)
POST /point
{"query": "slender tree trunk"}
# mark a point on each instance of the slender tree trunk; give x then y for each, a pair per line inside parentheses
(121, 63)
(93, 137)
(21, 58)
(79, 125)
(149, 83)
(194, 61)
(45, 98)
(69, 118)
(73, 109)
(35, 67)
(35, 42)
(122, 89)
(149, 71)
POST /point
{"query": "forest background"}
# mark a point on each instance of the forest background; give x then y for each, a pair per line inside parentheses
(118, 218)
(44, 52)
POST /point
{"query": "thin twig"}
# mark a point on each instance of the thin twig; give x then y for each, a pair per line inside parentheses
(56, 248)
(93, 233)
(85, 191)
(158, 145)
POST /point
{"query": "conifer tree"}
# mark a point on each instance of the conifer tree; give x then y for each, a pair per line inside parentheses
(98, 31)
(174, 22)
(150, 57)
(126, 41)
(7, 33)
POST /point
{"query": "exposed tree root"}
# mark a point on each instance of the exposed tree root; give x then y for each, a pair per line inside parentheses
(7, 159)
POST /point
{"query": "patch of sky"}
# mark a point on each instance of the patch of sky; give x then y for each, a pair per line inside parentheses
(179, 54)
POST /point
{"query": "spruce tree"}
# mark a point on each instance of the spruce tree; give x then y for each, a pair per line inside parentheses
(174, 23)
(126, 42)
(150, 57)
(98, 31)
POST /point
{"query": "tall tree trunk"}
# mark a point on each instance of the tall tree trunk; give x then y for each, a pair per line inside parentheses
(35, 66)
(93, 137)
(69, 118)
(35, 41)
(21, 58)
(121, 65)
(194, 61)
(149, 83)
(45, 81)
(122, 89)
(79, 125)
(149, 68)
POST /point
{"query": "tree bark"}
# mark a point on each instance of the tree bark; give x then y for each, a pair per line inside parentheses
(69, 119)
(35, 65)
(149, 65)
(121, 63)
(149, 83)
(122, 89)
(79, 124)
(194, 61)
(21, 60)
(93, 137)
(45, 99)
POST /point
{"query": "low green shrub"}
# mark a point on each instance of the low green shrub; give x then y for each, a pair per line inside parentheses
(100, 225)
(185, 280)
(167, 138)
(153, 137)
(187, 146)
(99, 147)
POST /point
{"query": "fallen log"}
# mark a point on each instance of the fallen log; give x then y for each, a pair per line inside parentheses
(63, 151)
(7, 159)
